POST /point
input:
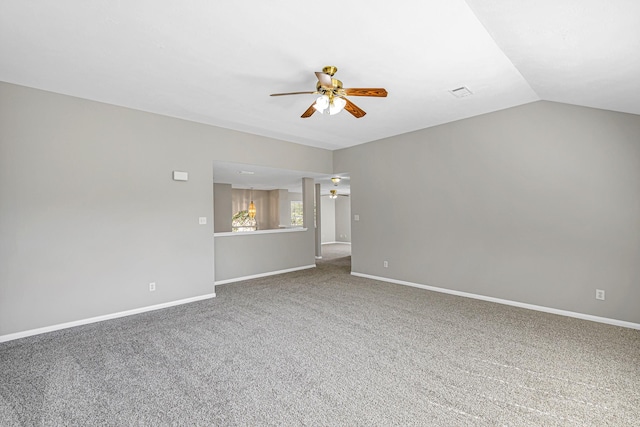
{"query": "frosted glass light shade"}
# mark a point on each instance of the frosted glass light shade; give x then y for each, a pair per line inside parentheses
(336, 106)
(321, 103)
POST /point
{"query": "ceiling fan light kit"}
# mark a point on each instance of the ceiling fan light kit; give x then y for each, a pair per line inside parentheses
(332, 97)
(333, 194)
(331, 103)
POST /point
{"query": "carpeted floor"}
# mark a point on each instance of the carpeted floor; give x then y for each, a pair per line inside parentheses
(333, 251)
(321, 347)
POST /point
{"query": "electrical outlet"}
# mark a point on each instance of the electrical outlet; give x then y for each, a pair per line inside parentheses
(385, 264)
(152, 286)
(600, 294)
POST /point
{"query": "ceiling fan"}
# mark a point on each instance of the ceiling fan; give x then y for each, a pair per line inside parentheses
(333, 95)
(333, 194)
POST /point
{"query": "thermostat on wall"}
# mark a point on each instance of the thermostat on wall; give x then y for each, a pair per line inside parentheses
(180, 176)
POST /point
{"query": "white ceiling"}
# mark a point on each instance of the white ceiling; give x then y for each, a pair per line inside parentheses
(217, 62)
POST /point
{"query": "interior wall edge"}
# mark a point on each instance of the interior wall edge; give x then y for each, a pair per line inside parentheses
(67, 325)
(550, 310)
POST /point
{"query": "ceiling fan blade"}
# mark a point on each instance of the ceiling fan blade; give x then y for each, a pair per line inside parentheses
(366, 92)
(292, 93)
(354, 109)
(324, 79)
(309, 111)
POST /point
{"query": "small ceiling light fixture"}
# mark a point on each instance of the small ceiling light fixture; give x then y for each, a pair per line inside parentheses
(252, 207)
(335, 180)
(333, 194)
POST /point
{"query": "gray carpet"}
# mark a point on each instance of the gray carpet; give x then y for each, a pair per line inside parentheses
(323, 348)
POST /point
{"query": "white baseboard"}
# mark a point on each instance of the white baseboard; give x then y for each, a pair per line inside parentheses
(334, 243)
(24, 334)
(270, 273)
(582, 316)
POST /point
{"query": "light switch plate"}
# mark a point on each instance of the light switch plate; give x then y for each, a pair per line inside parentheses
(202, 220)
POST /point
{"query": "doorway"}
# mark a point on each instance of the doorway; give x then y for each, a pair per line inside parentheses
(335, 227)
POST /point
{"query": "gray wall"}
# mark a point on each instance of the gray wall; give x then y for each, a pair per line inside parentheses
(222, 212)
(343, 219)
(89, 214)
(284, 208)
(328, 215)
(250, 254)
(537, 204)
(336, 223)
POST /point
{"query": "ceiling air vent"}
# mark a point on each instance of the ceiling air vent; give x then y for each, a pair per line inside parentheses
(460, 92)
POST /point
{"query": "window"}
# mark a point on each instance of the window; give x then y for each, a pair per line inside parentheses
(296, 213)
(242, 222)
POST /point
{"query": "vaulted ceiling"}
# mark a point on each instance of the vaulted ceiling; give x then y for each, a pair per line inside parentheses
(217, 62)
